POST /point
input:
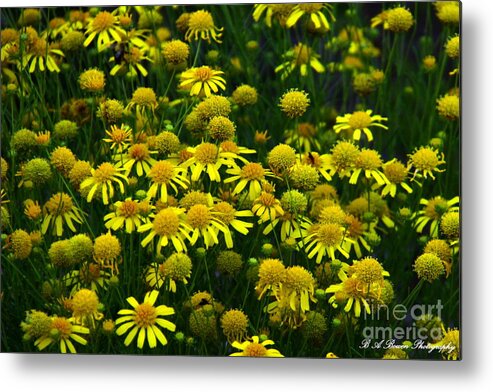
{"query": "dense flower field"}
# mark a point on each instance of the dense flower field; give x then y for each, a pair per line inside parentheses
(234, 180)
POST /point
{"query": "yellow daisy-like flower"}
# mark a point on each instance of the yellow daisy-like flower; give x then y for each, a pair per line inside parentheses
(119, 137)
(42, 55)
(396, 173)
(127, 213)
(351, 293)
(137, 155)
(369, 163)
(105, 26)
(227, 214)
(102, 180)
(301, 56)
(131, 63)
(252, 175)
(201, 26)
(267, 207)
(205, 223)
(62, 331)
(314, 11)
(209, 158)
(324, 240)
(145, 319)
(164, 174)
(202, 81)
(433, 210)
(58, 210)
(168, 225)
(449, 346)
(255, 348)
(358, 122)
(425, 161)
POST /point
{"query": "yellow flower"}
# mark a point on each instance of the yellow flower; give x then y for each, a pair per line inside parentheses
(106, 27)
(399, 20)
(449, 346)
(369, 162)
(145, 319)
(42, 55)
(358, 122)
(92, 80)
(229, 216)
(252, 175)
(168, 225)
(433, 210)
(294, 103)
(201, 26)
(324, 239)
(315, 11)
(177, 267)
(396, 173)
(277, 11)
(164, 174)
(209, 158)
(119, 137)
(102, 180)
(301, 56)
(85, 307)
(205, 223)
(62, 331)
(126, 213)
(426, 160)
(255, 348)
(58, 210)
(202, 81)
(137, 155)
(349, 292)
(131, 61)
(267, 207)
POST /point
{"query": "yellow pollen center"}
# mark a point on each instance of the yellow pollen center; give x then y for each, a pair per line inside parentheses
(145, 315)
(139, 152)
(227, 212)
(166, 223)
(63, 326)
(329, 234)
(255, 350)
(104, 172)
(203, 73)
(103, 21)
(395, 172)
(267, 199)
(199, 216)
(59, 204)
(311, 7)
(359, 120)
(201, 20)
(252, 171)
(206, 153)
(128, 208)
(162, 172)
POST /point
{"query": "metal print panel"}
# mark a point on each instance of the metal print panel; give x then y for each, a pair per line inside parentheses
(262, 180)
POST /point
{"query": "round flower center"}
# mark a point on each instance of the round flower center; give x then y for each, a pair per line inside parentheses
(350, 287)
(359, 120)
(425, 159)
(311, 7)
(145, 315)
(436, 207)
(206, 153)
(104, 172)
(144, 96)
(299, 279)
(255, 350)
(162, 172)
(344, 154)
(166, 223)
(90, 274)
(230, 146)
(85, 302)
(199, 216)
(135, 55)
(267, 199)
(39, 47)
(396, 172)
(252, 171)
(368, 160)
(201, 20)
(329, 234)
(128, 208)
(139, 152)
(63, 326)
(369, 270)
(103, 21)
(227, 212)
(203, 73)
(355, 226)
(59, 204)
